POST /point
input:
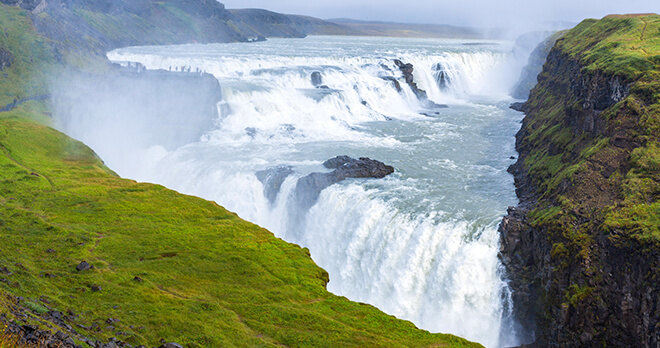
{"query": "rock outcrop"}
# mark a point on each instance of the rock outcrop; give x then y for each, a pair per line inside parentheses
(407, 71)
(309, 187)
(583, 262)
(6, 58)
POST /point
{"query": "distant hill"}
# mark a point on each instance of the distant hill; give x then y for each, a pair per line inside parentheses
(258, 22)
(264, 23)
(373, 28)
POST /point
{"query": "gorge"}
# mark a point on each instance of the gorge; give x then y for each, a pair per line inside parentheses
(580, 250)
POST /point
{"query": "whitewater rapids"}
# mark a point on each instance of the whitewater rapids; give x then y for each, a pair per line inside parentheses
(420, 244)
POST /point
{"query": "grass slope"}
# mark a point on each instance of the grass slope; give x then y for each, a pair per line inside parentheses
(208, 278)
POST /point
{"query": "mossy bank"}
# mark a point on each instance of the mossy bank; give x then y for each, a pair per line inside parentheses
(165, 266)
(583, 247)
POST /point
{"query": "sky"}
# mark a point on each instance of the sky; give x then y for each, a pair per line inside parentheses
(474, 13)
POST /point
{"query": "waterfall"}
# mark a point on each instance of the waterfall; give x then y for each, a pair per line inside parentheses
(420, 244)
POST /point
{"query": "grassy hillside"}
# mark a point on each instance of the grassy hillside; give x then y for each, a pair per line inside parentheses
(166, 266)
(584, 245)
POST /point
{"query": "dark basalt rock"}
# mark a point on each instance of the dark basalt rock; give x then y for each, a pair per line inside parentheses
(272, 179)
(407, 71)
(316, 79)
(621, 304)
(308, 188)
(6, 58)
(84, 266)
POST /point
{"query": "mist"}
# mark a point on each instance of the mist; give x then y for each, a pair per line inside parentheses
(128, 111)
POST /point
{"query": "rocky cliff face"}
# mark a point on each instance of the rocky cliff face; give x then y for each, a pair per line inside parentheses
(583, 248)
(534, 66)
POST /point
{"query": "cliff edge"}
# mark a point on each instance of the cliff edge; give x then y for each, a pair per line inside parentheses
(583, 247)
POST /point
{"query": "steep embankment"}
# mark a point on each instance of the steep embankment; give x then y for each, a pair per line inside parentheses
(165, 266)
(583, 247)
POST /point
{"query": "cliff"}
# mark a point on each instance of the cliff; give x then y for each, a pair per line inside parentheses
(527, 79)
(102, 261)
(583, 247)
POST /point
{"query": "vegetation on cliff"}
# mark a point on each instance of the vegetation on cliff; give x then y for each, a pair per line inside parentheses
(164, 265)
(584, 246)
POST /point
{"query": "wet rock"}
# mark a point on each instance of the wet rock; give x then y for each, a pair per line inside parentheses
(272, 179)
(309, 187)
(316, 79)
(407, 71)
(442, 77)
(518, 106)
(251, 132)
(84, 266)
(394, 81)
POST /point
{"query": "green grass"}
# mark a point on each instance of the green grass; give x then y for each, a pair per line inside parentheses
(210, 279)
(626, 46)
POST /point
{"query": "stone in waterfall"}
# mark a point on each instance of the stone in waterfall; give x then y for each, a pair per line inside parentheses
(317, 79)
(309, 187)
(407, 71)
(442, 78)
(272, 179)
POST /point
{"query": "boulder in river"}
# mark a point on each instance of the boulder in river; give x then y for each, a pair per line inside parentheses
(272, 179)
(317, 79)
(309, 187)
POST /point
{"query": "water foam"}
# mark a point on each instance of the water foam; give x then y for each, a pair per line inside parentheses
(421, 244)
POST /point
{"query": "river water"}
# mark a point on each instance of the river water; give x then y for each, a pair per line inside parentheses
(420, 244)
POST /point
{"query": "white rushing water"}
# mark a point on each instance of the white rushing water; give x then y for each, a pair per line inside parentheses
(421, 243)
